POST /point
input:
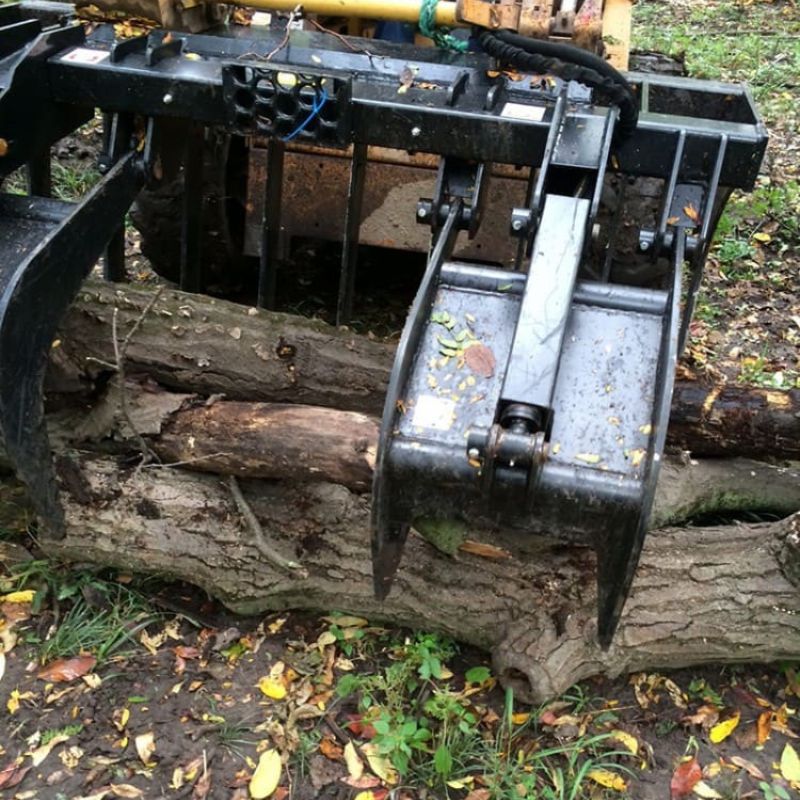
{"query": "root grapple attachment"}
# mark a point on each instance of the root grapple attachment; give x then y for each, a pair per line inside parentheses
(531, 391)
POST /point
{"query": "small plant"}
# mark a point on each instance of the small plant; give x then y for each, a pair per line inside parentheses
(773, 791)
(67, 731)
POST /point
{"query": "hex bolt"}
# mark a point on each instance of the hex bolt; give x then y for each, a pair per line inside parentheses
(517, 224)
(167, 99)
(416, 131)
(422, 212)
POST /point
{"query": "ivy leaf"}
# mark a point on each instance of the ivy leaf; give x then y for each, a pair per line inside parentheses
(478, 674)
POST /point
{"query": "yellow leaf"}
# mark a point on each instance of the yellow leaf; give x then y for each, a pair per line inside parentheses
(14, 700)
(355, 766)
(762, 237)
(368, 795)
(628, 741)
(25, 596)
(380, 765)
(521, 718)
(608, 779)
(790, 765)
(326, 638)
(702, 789)
(268, 772)
(722, 730)
(273, 688)
(145, 747)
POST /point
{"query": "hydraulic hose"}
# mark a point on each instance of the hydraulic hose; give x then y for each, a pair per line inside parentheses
(571, 64)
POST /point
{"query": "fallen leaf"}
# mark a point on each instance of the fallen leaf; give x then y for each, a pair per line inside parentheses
(13, 774)
(686, 776)
(15, 698)
(40, 753)
(762, 237)
(749, 767)
(692, 213)
(145, 747)
(706, 716)
(368, 795)
(629, 742)
(126, 790)
(722, 730)
(380, 765)
(25, 596)
(763, 726)
(355, 766)
(272, 688)
(479, 794)
(330, 749)
(364, 782)
(70, 756)
(702, 789)
(608, 779)
(483, 550)
(480, 359)
(268, 772)
(790, 765)
(65, 670)
(2, 664)
(203, 786)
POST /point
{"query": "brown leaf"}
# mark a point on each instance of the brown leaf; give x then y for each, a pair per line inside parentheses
(330, 749)
(692, 213)
(483, 550)
(13, 774)
(706, 716)
(686, 775)
(480, 359)
(479, 794)
(763, 726)
(749, 767)
(364, 782)
(67, 669)
(203, 786)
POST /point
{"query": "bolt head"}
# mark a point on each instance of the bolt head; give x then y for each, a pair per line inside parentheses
(167, 99)
(416, 131)
(516, 224)
(474, 453)
(422, 212)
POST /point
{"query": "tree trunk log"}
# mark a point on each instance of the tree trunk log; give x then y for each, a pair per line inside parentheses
(200, 344)
(706, 594)
(714, 594)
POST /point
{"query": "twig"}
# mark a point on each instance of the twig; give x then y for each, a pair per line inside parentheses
(119, 356)
(258, 532)
(186, 461)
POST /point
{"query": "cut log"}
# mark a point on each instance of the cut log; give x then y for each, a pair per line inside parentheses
(701, 595)
(200, 344)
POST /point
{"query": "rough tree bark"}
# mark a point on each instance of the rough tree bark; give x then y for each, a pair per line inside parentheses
(200, 344)
(701, 594)
(713, 594)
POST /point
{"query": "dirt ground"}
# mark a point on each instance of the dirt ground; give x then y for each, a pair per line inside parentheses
(168, 695)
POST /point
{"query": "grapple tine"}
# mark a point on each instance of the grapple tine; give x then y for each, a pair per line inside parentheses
(387, 551)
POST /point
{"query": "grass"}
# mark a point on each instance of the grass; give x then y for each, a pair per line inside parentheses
(729, 41)
(435, 736)
(102, 615)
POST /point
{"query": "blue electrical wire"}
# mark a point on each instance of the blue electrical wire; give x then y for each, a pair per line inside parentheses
(319, 101)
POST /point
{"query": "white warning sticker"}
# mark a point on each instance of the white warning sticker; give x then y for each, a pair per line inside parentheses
(523, 111)
(83, 55)
(436, 413)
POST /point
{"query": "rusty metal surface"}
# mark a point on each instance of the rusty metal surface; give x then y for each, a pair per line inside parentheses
(315, 195)
(503, 14)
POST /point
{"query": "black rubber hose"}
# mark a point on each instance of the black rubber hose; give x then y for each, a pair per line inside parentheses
(569, 63)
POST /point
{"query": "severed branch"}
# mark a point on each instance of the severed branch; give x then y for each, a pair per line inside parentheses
(119, 357)
(263, 548)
